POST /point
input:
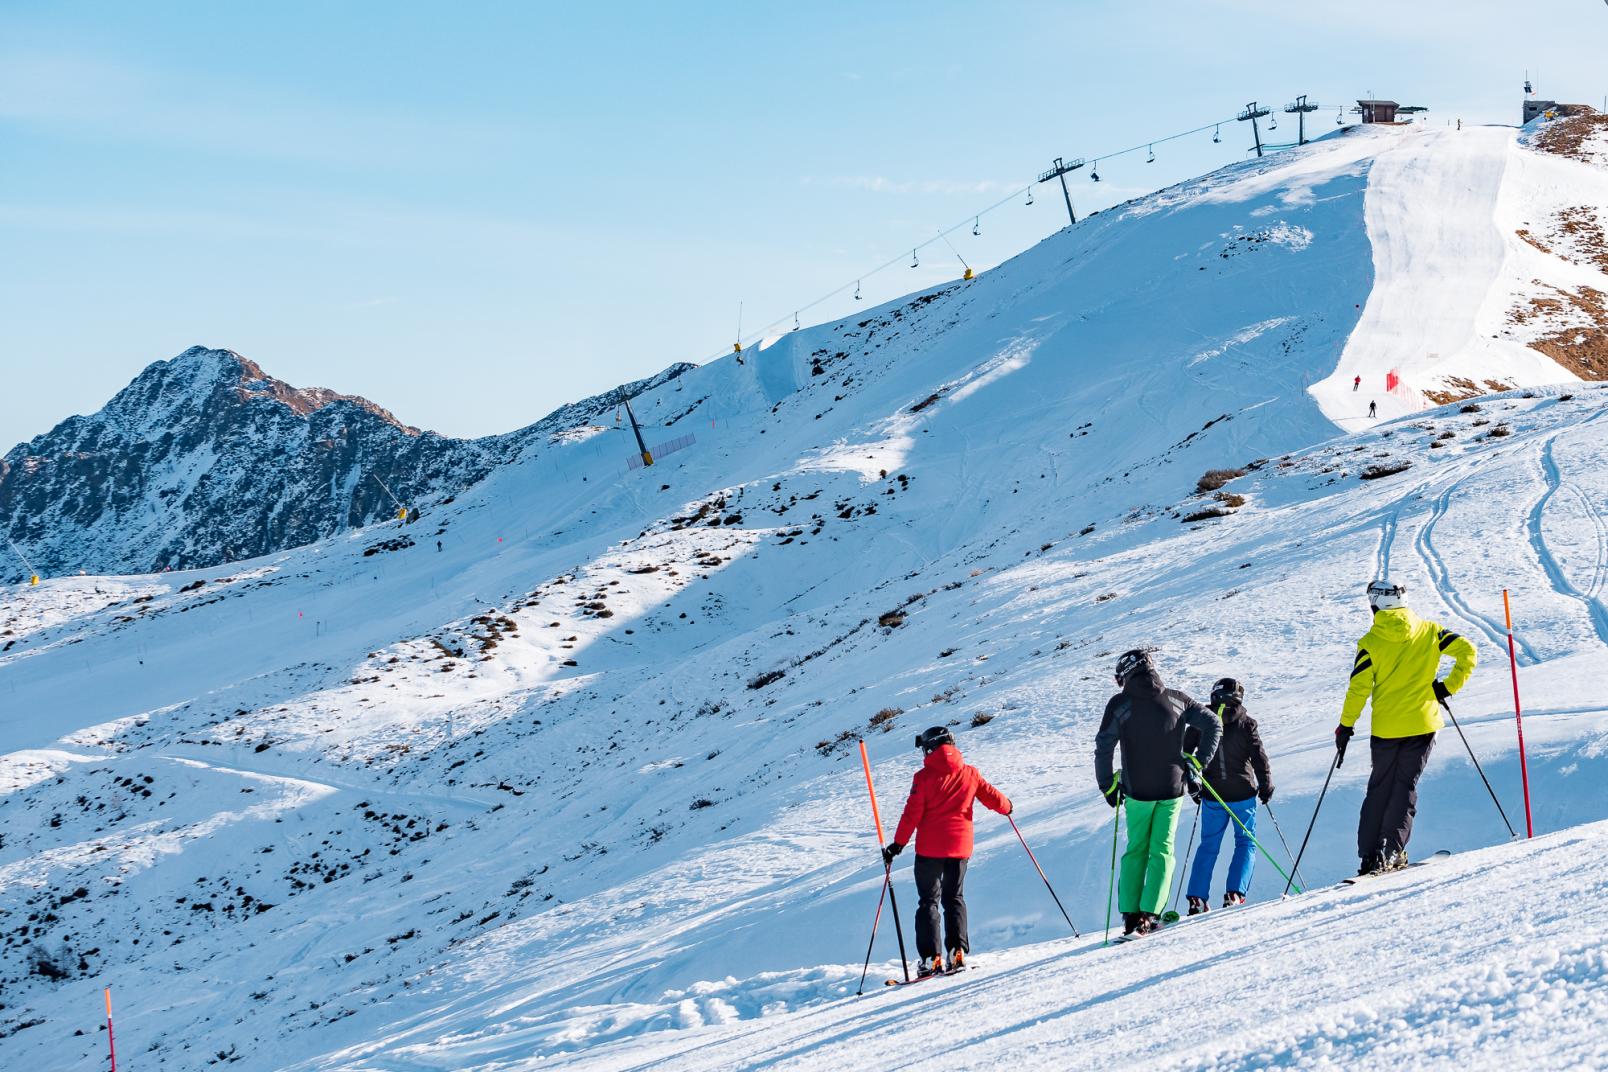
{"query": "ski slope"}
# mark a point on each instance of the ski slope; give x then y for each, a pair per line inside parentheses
(1444, 210)
(580, 787)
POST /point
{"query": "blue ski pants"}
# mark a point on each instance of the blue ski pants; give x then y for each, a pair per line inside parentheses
(1214, 819)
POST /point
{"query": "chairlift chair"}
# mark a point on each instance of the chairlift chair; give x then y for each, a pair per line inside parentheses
(1094, 172)
(977, 226)
(913, 261)
(1030, 195)
(856, 290)
(1151, 159)
(1273, 122)
(1217, 134)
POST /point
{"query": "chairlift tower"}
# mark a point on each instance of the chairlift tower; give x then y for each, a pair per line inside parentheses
(1253, 113)
(1060, 171)
(1300, 107)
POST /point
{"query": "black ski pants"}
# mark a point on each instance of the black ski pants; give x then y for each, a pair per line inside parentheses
(1392, 800)
(941, 880)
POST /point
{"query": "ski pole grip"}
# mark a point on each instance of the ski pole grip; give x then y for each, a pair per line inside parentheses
(876, 816)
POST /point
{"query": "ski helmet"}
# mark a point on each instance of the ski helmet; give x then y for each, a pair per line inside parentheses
(934, 737)
(1132, 661)
(1387, 595)
(1227, 690)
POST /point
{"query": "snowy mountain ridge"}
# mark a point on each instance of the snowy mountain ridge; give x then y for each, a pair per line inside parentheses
(205, 458)
(577, 787)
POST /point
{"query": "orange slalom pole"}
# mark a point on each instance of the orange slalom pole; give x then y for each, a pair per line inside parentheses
(110, 1045)
(887, 868)
(1518, 717)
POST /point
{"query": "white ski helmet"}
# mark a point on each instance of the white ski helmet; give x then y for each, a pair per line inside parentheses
(1387, 595)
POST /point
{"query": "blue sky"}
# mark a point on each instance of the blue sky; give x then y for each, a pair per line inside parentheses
(473, 213)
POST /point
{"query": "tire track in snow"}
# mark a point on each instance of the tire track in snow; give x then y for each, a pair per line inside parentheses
(1441, 574)
(1555, 575)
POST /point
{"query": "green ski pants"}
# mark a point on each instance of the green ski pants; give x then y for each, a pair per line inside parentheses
(1147, 863)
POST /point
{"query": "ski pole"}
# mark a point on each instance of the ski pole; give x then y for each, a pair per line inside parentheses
(887, 865)
(1511, 832)
(1184, 871)
(1240, 823)
(1286, 844)
(1040, 870)
(887, 879)
(1116, 824)
(1296, 863)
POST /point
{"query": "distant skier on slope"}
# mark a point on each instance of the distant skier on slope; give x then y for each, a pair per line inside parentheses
(1148, 721)
(1373, 409)
(1356, 383)
(1241, 775)
(939, 813)
(1398, 667)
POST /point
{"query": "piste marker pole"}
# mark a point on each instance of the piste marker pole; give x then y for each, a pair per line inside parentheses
(1518, 717)
(887, 865)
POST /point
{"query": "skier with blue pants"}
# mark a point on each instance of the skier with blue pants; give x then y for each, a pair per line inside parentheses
(1240, 774)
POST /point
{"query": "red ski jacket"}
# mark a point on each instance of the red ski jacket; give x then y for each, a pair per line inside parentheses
(940, 805)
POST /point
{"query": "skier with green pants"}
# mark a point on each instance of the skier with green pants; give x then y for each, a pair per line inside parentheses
(1148, 721)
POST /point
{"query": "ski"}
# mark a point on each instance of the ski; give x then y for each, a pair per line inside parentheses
(922, 978)
(1354, 879)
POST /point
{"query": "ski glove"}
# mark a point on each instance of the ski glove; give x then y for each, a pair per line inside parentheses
(1441, 691)
(1342, 737)
(1113, 797)
(893, 849)
(1194, 792)
(1265, 794)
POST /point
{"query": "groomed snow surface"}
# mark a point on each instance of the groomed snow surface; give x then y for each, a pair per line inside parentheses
(579, 789)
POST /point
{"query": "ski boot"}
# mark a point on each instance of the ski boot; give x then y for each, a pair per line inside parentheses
(1372, 864)
(1198, 906)
(1232, 899)
(1395, 861)
(1131, 921)
(957, 961)
(929, 966)
(1149, 923)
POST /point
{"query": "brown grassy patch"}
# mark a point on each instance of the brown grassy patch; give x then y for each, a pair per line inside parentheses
(1212, 479)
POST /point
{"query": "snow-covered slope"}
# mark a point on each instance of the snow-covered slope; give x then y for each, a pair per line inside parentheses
(577, 785)
(205, 458)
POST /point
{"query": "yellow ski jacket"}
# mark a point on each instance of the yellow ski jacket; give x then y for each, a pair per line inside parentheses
(1397, 663)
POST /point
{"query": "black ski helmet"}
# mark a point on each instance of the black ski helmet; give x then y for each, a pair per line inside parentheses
(935, 737)
(1227, 690)
(1131, 661)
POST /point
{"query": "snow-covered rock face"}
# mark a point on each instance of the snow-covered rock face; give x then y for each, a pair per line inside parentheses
(205, 459)
(564, 775)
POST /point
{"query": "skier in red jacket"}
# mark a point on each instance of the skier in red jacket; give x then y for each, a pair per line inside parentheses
(940, 807)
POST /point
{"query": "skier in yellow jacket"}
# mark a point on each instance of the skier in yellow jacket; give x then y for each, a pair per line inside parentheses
(1398, 668)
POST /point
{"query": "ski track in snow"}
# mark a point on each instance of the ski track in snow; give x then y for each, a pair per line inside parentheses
(1441, 573)
(1555, 573)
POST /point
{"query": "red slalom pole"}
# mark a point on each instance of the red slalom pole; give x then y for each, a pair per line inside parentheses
(110, 1045)
(1518, 717)
(887, 867)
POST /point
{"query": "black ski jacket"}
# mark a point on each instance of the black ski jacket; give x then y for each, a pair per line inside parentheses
(1149, 721)
(1239, 769)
